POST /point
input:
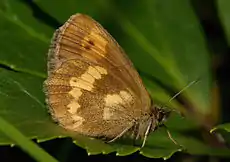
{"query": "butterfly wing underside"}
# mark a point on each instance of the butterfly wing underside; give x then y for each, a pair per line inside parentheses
(92, 87)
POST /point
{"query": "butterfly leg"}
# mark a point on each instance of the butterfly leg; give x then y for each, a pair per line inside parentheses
(136, 135)
(146, 133)
(171, 138)
(121, 134)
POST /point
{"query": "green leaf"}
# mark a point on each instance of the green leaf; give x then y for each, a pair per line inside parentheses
(224, 14)
(161, 146)
(23, 42)
(172, 48)
(22, 105)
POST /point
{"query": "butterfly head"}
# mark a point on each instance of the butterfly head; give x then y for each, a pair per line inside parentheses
(159, 116)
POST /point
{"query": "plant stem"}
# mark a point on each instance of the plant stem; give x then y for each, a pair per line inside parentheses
(24, 143)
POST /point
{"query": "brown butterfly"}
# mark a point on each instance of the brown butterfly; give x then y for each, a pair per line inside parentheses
(93, 88)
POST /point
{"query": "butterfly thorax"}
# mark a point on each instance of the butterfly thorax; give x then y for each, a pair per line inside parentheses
(150, 122)
(158, 116)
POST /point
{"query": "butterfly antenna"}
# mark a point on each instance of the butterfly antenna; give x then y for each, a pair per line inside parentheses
(178, 93)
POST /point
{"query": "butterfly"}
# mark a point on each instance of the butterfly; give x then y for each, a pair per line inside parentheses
(93, 88)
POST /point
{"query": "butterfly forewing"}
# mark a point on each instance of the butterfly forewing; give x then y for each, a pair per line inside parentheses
(92, 87)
